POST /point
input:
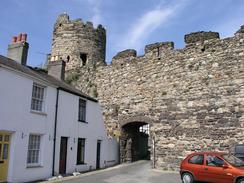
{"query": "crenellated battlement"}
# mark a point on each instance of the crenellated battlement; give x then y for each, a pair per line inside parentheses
(64, 23)
(81, 44)
(126, 55)
(198, 42)
(201, 36)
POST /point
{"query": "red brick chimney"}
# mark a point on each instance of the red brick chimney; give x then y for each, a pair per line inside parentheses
(18, 49)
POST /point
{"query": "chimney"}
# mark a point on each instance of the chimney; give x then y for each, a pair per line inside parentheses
(57, 69)
(18, 49)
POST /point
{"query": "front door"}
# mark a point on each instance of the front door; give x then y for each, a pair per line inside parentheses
(63, 155)
(98, 153)
(4, 155)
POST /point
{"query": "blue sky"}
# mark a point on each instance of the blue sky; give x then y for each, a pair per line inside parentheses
(129, 23)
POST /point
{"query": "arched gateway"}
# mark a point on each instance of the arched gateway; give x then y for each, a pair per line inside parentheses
(135, 138)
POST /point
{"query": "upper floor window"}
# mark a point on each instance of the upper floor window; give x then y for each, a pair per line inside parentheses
(37, 101)
(82, 110)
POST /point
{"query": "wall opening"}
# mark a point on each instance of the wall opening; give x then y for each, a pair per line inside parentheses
(83, 57)
(68, 58)
(158, 52)
(134, 142)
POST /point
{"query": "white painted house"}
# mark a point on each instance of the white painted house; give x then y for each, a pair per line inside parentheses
(46, 126)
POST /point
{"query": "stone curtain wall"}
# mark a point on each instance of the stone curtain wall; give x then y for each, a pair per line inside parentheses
(194, 96)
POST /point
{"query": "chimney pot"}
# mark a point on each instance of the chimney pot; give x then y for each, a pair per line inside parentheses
(18, 49)
(24, 37)
(14, 39)
(19, 38)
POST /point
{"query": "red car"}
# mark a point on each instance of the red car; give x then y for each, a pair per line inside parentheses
(213, 167)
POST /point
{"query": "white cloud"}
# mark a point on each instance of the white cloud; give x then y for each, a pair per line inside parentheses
(96, 17)
(148, 22)
(229, 27)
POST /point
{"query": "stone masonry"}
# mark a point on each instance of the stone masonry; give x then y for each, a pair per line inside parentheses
(80, 45)
(193, 98)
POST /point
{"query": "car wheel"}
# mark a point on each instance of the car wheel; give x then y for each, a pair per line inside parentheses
(187, 178)
(241, 180)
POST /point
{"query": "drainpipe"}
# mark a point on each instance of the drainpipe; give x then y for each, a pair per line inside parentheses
(154, 151)
(55, 131)
(119, 152)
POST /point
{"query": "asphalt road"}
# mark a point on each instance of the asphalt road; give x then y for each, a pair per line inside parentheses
(139, 172)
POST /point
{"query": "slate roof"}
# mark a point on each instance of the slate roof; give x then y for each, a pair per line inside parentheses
(40, 74)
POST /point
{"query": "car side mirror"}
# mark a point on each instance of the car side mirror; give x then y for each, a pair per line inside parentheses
(225, 166)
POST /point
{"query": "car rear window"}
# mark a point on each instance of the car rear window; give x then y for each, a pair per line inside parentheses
(197, 159)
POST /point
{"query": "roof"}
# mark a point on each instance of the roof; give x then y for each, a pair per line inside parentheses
(210, 153)
(38, 74)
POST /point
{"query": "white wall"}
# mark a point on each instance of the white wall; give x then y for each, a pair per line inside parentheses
(112, 152)
(16, 117)
(93, 130)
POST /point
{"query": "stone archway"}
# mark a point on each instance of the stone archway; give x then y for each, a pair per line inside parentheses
(135, 138)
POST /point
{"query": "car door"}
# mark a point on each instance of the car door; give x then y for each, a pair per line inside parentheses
(214, 171)
(195, 165)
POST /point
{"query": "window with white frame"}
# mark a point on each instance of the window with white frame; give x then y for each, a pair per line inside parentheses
(37, 101)
(33, 155)
(82, 110)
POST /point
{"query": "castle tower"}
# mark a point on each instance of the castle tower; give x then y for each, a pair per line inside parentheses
(79, 44)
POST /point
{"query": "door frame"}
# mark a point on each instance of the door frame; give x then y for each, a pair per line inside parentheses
(3, 133)
(63, 171)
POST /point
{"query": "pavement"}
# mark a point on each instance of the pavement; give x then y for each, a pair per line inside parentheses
(138, 172)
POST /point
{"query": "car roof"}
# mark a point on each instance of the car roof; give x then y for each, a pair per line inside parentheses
(210, 153)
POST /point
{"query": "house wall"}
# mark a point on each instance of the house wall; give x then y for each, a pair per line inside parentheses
(93, 130)
(17, 118)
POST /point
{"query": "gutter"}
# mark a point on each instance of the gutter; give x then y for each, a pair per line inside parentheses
(55, 131)
(75, 93)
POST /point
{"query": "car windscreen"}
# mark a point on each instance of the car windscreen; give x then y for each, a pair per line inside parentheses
(234, 161)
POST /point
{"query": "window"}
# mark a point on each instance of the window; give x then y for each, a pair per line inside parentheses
(83, 57)
(214, 161)
(198, 159)
(81, 151)
(144, 129)
(33, 156)
(37, 101)
(82, 110)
